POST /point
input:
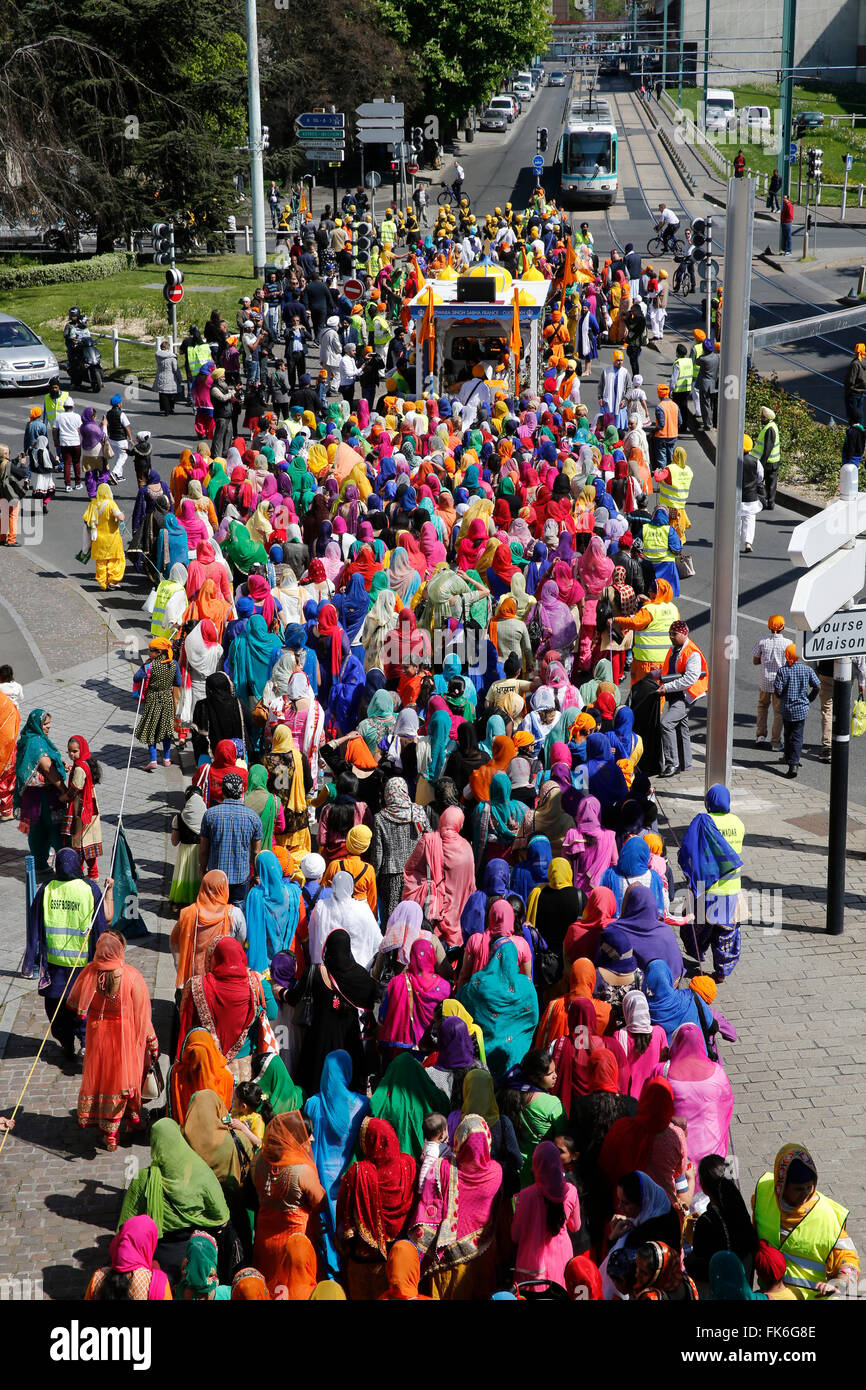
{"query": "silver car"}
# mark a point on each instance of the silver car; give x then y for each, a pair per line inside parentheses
(493, 120)
(26, 364)
(556, 79)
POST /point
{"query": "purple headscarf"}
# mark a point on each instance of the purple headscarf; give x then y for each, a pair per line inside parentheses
(555, 616)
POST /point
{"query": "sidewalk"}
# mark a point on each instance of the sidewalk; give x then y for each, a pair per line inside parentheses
(59, 1192)
(798, 1068)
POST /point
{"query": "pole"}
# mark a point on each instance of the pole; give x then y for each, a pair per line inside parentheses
(706, 56)
(665, 47)
(682, 47)
(172, 308)
(800, 176)
(336, 207)
(838, 824)
(844, 192)
(257, 186)
(786, 100)
(729, 479)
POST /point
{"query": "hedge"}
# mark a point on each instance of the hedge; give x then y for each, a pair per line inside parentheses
(66, 272)
(811, 449)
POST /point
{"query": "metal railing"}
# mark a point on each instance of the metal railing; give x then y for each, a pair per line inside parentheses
(116, 339)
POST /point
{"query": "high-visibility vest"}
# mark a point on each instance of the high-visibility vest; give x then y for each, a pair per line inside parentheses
(388, 231)
(382, 334)
(196, 355)
(676, 492)
(685, 374)
(734, 832)
(670, 429)
(697, 352)
(699, 687)
(51, 408)
(159, 627)
(67, 907)
(775, 448)
(808, 1245)
(652, 644)
(655, 544)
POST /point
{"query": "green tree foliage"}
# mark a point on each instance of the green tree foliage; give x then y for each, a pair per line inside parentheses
(462, 52)
(811, 449)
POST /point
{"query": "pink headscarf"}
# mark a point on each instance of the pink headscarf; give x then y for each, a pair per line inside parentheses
(439, 702)
(432, 548)
(459, 872)
(413, 997)
(260, 592)
(595, 567)
(689, 1060)
(547, 1171)
(555, 616)
(133, 1248)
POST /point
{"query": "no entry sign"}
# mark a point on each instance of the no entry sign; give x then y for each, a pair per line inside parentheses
(173, 293)
(353, 289)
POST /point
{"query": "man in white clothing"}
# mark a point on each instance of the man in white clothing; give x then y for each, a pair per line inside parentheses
(612, 388)
(667, 225)
(348, 371)
(68, 426)
(473, 394)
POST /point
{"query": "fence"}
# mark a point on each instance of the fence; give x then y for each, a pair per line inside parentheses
(116, 339)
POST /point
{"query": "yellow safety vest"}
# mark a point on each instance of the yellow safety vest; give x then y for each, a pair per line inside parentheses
(676, 492)
(67, 907)
(775, 448)
(158, 625)
(382, 334)
(652, 644)
(685, 375)
(51, 408)
(734, 832)
(808, 1245)
(655, 544)
(697, 352)
(196, 355)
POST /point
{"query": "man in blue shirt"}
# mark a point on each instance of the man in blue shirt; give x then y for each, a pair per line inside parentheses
(231, 838)
(798, 685)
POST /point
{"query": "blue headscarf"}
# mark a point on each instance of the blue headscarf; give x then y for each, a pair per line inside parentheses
(536, 567)
(532, 872)
(252, 656)
(670, 1006)
(705, 855)
(623, 731)
(178, 543)
(272, 910)
(336, 1114)
(352, 606)
(346, 690)
(494, 884)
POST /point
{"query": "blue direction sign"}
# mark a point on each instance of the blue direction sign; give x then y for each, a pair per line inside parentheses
(320, 120)
(538, 163)
(792, 153)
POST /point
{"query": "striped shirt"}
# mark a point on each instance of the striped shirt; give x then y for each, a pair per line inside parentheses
(793, 683)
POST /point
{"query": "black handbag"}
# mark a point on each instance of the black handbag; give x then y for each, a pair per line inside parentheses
(303, 1015)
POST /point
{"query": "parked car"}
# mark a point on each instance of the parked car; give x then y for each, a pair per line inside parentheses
(523, 93)
(556, 79)
(26, 364)
(493, 119)
(807, 120)
(505, 104)
(756, 119)
(538, 74)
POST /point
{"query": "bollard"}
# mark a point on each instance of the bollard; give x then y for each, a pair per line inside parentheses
(860, 197)
(861, 281)
(805, 254)
(247, 245)
(115, 348)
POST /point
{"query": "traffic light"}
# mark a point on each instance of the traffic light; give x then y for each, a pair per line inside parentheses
(362, 240)
(816, 159)
(163, 243)
(394, 166)
(173, 278)
(266, 136)
(699, 233)
(709, 247)
(541, 139)
(417, 139)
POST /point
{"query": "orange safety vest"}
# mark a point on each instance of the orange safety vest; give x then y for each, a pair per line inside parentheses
(701, 684)
(670, 429)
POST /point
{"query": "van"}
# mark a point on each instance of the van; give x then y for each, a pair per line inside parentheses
(505, 104)
(720, 111)
(754, 121)
(524, 79)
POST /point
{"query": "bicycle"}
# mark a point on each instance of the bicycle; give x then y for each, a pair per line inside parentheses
(448, 198)
(684, 281)
(656, 246)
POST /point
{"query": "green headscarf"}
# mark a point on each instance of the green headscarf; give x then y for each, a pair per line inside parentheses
(263, 802)
(241, 551)
(219, 478)
(33, 744)
(728, 1283)
(380, 580)
(279, 1088)
(603, 672)
(559, 731)
(199, 1269)
(178, 1190)
(403, 1097)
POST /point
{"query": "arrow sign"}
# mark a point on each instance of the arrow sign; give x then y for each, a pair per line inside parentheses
(319, 137)
(819, 593)
(838, 523)
(328, 152)
(381, 123)
(381, 135)
(320, 120)
(377, 109)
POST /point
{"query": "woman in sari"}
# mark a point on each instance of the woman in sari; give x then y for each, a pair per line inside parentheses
(403, 1097)
(647, 1142)
(481, 945)
(39, 777)
(410, 1001)
(181, 1195)
(454, 1225)
(581, 984)
(252, 657)
(229, 1002)
(703, 1095)
(10, 727)
(289, 1192)
(241, 550)
(265, 804)
(201, 924)
(202, 657)
(583, 937)
(211, 776)
(546, 1215)
(403, 1275)
(379, 623)
(272, 911)
(504, 1004)
(399, 830)
(498, 822)
(120, 1042)
(592, 848)
(642, 1041)
(200, 1066)
(291, 778)
(339, 990)
(132, 1273)
(336, 1115)
(373, 1206)
(446, 846)
(103, 517)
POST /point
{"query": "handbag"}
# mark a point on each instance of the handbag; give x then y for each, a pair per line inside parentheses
(153, 1081)
(685, 566)
(106, 451)
(303, 1015)
(858, 719)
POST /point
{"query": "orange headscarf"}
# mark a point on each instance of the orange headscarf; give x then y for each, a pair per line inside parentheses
(208, 604)
(357, 754)
(286, 1142)
(200, 924)
(504, 752)
(791, 653)
(299, 1267)
(199, 1067)
(10, 726)
(116, 1061)
(581, 983)
(403, 1272)
(507, 609)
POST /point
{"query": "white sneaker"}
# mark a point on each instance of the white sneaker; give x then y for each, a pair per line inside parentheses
(69, 487)
(762, 740)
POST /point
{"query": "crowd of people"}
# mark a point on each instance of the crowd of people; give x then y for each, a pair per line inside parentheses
(442, 1026)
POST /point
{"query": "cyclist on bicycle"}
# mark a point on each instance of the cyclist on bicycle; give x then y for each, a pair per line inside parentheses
(459, 176)
(667, 226)
(684, 279)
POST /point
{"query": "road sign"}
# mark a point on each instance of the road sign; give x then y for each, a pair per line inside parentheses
(353, 289)
(320, 120)
(325, 152)
(379, 134)
(819, 593)
(320, 137)
(849, 162)
(412, 168)
(815, 539)
(173, 293)
(538, 163)
(844, 634)
(373, 180)
(707, 266)
(373, 109)
(792, 152)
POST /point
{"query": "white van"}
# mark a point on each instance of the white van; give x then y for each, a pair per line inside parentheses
(755, 121)
(721, 109)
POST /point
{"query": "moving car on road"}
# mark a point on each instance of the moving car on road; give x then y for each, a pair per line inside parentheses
(26, 364)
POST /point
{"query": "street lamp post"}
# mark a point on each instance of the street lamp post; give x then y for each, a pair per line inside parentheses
(257, 186)
(682, 43)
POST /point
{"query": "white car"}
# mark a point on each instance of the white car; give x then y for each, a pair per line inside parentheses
(505, 104)
(525, 93)
(26, 364)
(756, 120)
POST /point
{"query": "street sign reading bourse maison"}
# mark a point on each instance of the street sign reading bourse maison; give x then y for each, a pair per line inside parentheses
(842, 635)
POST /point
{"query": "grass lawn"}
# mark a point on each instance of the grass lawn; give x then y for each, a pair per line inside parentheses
(137, 312)
(835, 142)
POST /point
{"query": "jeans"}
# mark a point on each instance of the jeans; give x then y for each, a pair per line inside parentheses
(166, 749)
(787, 231)
(254, 369)
(793, 740)
(273, 320)
(675, 732)
(773, 204)
(664, 451)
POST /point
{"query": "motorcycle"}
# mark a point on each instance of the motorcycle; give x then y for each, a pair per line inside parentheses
(84, 361)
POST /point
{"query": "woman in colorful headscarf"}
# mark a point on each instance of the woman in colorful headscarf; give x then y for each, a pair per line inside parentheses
(103, 518)
(647, 1142)
(498, 822)
(252, 657)
(410, 1001)
(336, 1114)
(132, 1273)
(454, 1224)
(398, 827)
(289, 1192)
(809, 1228)
(481, 945)
(272, 912)
(373, 1206)
(504, 1004)
(702, 1093)
(642, 1041)
(659, 1276)
(291, 779)
(545, 1216)
(379, 622)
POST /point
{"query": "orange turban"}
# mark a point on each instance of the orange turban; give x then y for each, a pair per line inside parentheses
(776, 623)
(705, 986)
(790, 653)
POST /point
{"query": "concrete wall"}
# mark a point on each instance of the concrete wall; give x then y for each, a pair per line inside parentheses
(829, 34)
